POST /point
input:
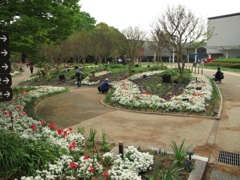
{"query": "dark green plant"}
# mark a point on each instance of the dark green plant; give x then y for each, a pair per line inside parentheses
(172, 173)
(22, 157)
(214, 98)
(81, 130)
(105, 146)
(180, 152)
(155, 174)
(109, 95)
(91, 139)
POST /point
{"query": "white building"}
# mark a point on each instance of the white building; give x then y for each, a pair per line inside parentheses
(225, 41)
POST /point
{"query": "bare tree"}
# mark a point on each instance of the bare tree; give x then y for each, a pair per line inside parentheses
(135, 40)
(157, 43)
(181, 28)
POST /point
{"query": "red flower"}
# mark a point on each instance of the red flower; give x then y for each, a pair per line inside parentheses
(92, 169)
(53, 126)
(60, 131)
(70, 129)
(74, 165)
(70, 147)
(42, 122)
(4, 112)
(73, 145)
(106, 175)
(34, 127)
(86, 157)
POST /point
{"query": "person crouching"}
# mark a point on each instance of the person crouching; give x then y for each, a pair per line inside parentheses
(104, 87)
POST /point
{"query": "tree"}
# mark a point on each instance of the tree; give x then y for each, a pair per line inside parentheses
(181, 28)
(118, 44)
(32, 22)
(157, 43)
(135, 40)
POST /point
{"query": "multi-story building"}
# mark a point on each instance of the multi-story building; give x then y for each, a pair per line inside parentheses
(225, 41)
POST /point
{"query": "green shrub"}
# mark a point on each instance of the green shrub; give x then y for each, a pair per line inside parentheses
(22, 157)
(180, 152)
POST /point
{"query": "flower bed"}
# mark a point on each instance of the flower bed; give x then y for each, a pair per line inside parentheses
(13, 119)
(192, 99)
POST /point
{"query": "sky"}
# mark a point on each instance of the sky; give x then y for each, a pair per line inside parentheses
(122, 14)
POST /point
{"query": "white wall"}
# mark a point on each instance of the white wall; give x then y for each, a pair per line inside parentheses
(226, 35)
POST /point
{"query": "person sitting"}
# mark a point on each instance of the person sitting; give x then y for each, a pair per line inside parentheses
(104, 87)
(218, 76)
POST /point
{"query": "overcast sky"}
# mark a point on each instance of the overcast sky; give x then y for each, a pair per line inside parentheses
(142, 13)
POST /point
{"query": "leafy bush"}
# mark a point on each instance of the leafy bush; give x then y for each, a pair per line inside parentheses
(21, 157)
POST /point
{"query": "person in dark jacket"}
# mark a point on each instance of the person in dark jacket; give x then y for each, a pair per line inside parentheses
(218, 76)
(104, 87)
(79, 76)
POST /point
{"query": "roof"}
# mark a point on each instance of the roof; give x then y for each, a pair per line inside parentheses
(224, 16)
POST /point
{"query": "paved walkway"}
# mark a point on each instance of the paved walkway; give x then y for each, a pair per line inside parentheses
(82, 108)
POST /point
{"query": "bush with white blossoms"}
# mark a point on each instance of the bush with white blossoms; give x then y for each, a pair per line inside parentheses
(86, 81)
(128, 94)
(131, 165)
(14, 119)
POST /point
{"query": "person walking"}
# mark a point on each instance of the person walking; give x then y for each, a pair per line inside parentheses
(31, 67)
(79, 77)
(27, 63)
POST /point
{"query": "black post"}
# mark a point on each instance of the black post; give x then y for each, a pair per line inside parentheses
(121, 149)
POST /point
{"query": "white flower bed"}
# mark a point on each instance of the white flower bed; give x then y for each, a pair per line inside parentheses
(84, 167)
(128, 94)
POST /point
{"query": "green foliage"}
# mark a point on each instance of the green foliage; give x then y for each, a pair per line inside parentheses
(156, 173)
(108, 97)
(91, 139)
(41, 22)
(21, 157)
(172, 172)
(105, 147)
(18, 90)
(81, 130)
(227, 60)
(180, 152)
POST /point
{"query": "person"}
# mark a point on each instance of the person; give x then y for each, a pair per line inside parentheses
(104, 87)
(79, 77)
(31, 67)
(218, 76)
(27, 63)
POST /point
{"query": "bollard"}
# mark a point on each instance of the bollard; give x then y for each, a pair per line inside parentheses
(121, 149)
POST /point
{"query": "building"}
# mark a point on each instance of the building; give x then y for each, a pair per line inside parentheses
(225, 41)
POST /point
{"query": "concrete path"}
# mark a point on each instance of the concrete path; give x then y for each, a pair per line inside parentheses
(82, 108)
